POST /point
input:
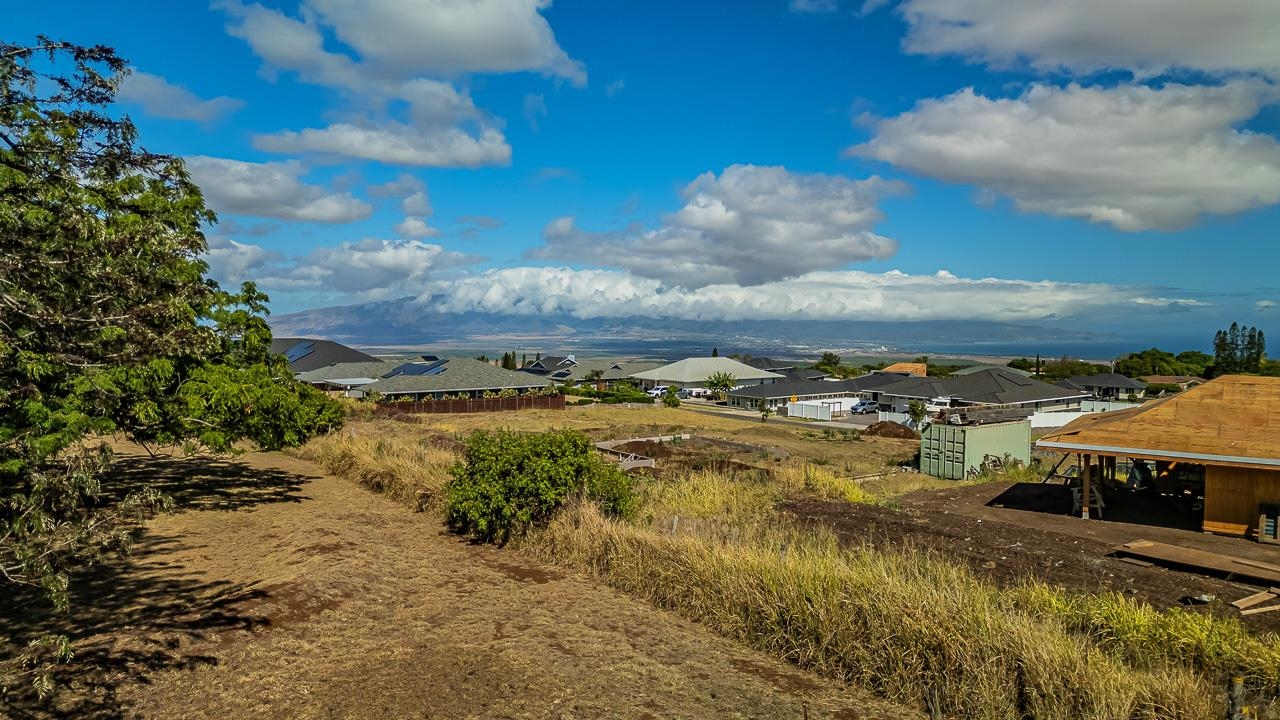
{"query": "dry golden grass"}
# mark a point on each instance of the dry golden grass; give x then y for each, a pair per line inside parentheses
(896, 623)
(410, 469)
(607, 422)
(899, 624)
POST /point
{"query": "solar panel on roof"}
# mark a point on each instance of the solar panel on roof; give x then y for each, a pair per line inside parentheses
(418, 369)
(299, 351)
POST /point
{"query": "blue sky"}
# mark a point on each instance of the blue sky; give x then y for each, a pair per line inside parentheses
(1028, 161)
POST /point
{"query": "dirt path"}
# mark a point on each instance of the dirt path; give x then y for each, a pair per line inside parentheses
(285, 593)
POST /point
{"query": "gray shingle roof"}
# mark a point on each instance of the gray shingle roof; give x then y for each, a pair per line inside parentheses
(1104, 380)
(979, 368)
(988, 387)
(613, 369)
(458, 375)
(305, 354)
(816, 387)
(346, 371)
(696, 370)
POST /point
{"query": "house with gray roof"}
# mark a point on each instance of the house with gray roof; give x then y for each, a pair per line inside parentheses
(979, 368)
(993, 386)
(555, 367)
(1105, 386)
(305, 354)
(693, 372)
(452, 376)
(779, 394)
(347, 375)
(611, 371)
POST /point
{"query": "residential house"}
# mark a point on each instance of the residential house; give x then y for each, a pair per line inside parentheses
(693, 372)
(979, 368)
(610, 372)
(1219, 440)
(1182, 381)
(346, 375)
(1105, 386)
(451, 376)
(776, 395)
(789, 371)
(994, 386)
(306, 354)
(552, 367)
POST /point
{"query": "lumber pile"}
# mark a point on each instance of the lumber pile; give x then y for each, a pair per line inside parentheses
(1246, 604)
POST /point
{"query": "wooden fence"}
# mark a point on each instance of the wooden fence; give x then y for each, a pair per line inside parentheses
(475, 405)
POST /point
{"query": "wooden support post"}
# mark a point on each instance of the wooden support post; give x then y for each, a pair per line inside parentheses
(1235, 699)
(1086, 488)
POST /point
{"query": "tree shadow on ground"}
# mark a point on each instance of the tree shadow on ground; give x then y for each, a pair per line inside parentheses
(203, 483)
(135, 616)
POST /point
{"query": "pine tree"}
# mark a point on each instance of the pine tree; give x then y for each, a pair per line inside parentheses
(715, 352)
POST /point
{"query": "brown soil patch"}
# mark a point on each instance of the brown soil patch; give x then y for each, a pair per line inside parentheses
(700, 453)
(889, 429)
(284, 593)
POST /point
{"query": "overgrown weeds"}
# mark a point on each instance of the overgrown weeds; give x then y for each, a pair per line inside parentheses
(899, 624)
(408, 469)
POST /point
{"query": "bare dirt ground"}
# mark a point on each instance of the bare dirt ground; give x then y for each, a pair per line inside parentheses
(1009, 545)
(279, 592)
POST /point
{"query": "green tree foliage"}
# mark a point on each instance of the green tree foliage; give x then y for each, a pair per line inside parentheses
(509, 360)
(1195, 362)
(1025, 364)
(829, 363)
(509, 483)
(107, 323)
(916, 410)
(1065, 367)
(721, 383)
(670, 398)
(763, 408)
(1239, 349)
(715, 352)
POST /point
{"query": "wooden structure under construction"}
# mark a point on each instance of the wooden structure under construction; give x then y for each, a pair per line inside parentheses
(1223, 436)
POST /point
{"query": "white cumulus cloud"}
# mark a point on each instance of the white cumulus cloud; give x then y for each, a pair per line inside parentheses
(408, 55)
(161, 98)
(1132, 156)
(450, 36)
(837, 295)
(367, 269)
(1084, 36)
(270, 189)
(231, 263)
(749, 225)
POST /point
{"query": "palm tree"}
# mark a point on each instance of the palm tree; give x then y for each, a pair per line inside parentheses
(721, 382)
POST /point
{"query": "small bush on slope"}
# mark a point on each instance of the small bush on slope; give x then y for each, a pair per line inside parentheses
(509, 482)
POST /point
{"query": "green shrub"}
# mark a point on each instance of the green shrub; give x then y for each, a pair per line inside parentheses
(670, 399)
(510, 482)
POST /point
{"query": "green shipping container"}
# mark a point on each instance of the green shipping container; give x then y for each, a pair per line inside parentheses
(952, 451)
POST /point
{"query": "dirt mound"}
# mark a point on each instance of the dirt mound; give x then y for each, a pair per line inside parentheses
(888, 429)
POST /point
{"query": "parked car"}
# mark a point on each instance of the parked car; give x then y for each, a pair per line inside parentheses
(864, 406)
(657, 391)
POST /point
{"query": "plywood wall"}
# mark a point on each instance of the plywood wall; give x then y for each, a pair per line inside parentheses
(1232, 495)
